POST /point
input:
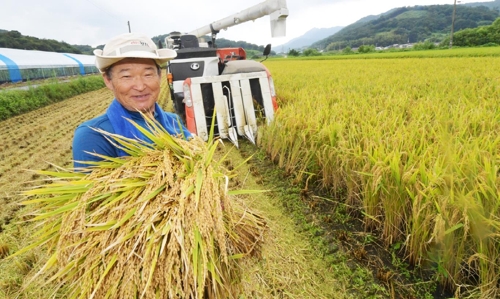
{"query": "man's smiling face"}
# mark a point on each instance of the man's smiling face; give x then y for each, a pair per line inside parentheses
(135, 83)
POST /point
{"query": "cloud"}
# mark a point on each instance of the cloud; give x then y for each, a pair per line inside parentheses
(93, 22)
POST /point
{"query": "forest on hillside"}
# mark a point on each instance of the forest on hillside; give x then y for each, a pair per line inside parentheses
(409, 25)
(15, 40)
(480, 36)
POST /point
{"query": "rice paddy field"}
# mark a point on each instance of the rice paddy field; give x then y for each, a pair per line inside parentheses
(408, 146)
(412, 144)
(41, 140)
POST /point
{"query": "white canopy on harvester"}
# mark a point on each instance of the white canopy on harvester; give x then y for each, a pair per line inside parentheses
(21, 65)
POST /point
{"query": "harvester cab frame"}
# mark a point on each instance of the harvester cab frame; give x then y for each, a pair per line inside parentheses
(207, 82)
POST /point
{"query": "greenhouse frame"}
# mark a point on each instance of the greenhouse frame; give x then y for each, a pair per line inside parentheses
(24, 65)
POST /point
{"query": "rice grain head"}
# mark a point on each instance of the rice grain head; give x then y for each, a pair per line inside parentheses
(156, 224)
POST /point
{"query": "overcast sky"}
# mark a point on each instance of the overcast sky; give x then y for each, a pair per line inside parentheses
(93, 22)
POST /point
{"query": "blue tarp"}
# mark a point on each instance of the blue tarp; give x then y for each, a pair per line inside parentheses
(82, 69)
(14, 72)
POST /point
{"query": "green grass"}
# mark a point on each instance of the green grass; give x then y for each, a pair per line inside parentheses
(16, 102)
(409, 53)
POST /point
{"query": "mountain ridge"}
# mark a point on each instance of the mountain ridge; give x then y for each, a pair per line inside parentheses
(307, 38)
(410, 24)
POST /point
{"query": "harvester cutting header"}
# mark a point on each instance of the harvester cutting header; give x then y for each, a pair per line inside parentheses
(204, 78)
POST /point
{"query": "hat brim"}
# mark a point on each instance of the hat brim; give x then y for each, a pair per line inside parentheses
(161, 56)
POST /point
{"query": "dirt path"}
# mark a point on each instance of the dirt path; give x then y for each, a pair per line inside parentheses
(291, 267)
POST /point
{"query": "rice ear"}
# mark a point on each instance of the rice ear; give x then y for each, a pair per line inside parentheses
(157, 224)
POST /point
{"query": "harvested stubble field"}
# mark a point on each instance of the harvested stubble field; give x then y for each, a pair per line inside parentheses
(292, 266)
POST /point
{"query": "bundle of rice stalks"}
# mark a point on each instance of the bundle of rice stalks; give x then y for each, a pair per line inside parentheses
(157, 224)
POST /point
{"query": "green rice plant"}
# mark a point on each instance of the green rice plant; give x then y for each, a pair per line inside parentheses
(159, 223)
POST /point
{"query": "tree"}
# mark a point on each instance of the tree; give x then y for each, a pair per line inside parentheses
(366, 49)
(347, 50)
(14, 34)
(473, 37)
(293, 52)
(427, 45)
(15, 40)
(312, 52)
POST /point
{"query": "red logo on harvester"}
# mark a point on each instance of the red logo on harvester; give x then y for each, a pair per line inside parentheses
(138, 42)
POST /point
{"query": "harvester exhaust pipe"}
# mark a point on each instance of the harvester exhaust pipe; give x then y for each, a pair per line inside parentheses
(278, 20)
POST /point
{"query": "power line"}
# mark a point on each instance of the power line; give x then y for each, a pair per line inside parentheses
(106, 11)
(453, 23)
(99, 7)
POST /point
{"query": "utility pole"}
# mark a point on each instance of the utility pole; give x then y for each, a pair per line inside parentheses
(453, 23)
(128, 22)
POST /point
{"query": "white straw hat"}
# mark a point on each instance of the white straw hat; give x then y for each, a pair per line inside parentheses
(131, 45)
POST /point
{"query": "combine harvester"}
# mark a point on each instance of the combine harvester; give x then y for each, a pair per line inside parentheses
(204, 79)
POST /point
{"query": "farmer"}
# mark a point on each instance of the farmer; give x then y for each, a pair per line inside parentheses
(130, 66)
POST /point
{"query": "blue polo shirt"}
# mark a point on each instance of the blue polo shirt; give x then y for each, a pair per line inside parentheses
(86, 140)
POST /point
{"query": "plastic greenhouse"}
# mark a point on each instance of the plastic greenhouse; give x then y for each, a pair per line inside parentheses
(22, 65)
